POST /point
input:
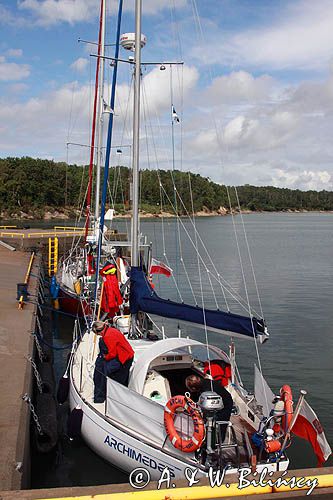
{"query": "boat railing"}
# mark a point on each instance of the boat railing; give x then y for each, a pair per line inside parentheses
(229, 443)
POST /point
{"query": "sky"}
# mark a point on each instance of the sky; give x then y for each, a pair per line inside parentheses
(254, 95)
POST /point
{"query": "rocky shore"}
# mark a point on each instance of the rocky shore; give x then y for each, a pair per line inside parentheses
(72, 213)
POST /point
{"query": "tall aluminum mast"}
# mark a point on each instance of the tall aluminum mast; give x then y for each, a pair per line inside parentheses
(136, 135)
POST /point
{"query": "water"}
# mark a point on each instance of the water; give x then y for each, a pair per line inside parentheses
(292, 256)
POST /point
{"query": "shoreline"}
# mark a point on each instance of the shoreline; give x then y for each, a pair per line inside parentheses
(72, 214)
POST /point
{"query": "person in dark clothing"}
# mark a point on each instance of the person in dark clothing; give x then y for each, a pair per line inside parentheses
(197, 386)
(114, 359)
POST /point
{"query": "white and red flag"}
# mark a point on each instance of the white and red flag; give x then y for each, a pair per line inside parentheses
(307, 426)
(158, 267)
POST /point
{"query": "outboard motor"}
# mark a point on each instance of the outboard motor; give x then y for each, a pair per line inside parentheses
(210, 404)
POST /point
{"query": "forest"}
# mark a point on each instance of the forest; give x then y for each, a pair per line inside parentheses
(34, 185)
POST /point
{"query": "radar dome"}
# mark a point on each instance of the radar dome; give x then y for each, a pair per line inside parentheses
(127, 41)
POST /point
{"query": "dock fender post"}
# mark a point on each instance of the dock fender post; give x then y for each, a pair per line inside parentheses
(47, 415)
(47, 376)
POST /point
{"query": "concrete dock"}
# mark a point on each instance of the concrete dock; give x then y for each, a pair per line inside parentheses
(15, 370)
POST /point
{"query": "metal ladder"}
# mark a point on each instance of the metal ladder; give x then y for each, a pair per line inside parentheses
(53, 256)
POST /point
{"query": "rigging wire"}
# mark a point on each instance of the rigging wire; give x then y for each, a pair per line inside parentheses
(240, 299)
(202, 297)
(220, 145)
(199, 26)
(161, 203)
(173, 170)
(162, 217)
(249, 254)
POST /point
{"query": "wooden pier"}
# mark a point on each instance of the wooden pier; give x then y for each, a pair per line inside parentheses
(30, 239)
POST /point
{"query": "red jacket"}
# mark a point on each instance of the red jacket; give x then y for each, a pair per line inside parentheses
(117, 345)
(111, 299)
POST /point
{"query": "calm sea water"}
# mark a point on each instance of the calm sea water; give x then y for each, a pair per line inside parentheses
(293, 260)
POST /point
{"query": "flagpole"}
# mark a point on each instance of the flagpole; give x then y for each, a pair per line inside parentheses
(293, 420)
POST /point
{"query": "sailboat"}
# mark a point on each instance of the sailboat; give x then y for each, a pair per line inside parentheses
(76, 274)
(152, 422)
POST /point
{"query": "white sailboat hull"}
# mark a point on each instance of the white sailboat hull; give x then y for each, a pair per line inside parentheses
(129, 449)
(122, 449)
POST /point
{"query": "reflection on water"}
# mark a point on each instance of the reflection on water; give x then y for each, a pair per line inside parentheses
(292, 256)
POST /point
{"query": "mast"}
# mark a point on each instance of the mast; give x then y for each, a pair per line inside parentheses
(93, 132)
(100, 115)
(136, 135)
(108, 147)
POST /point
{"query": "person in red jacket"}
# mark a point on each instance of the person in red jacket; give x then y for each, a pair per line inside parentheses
(114, 360)
(111, 297)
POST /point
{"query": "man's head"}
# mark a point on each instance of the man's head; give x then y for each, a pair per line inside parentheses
(98, 327)
(193, 383)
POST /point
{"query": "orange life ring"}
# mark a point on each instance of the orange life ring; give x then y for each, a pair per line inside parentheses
(287, 398)
(186, 445)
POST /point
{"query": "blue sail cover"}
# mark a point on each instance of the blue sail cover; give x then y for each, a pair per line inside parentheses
(144, 298)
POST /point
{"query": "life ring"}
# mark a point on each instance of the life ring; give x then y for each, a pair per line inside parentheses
(185, 445)
(287, 398)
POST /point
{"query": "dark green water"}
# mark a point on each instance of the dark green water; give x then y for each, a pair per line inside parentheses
(293, 261)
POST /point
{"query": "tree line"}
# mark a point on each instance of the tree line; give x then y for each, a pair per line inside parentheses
(28, 184)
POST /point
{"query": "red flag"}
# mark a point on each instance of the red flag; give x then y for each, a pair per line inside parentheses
(158, 267)
(307, 426)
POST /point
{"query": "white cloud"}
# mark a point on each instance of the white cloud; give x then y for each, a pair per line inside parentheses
(154, 6)
(285, 141)
(14, 53)
(301, 38)
(303, 179)
(240, 86)
(51, 12)
(17, 88)
(9, 18)
(80, 64)
(157, 85)
(12, 71)
(41, 124)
